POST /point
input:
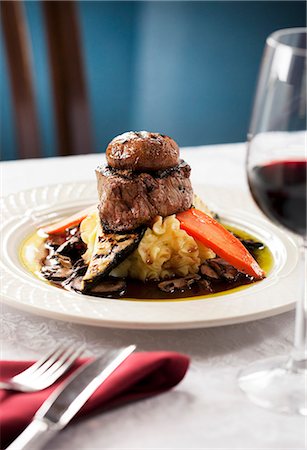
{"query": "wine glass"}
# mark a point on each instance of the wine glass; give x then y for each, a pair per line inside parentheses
(276, 169)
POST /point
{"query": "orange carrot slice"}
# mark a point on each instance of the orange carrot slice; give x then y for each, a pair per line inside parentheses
(68, 222)
(212, 234)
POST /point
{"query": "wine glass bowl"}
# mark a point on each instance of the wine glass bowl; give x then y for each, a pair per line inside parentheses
(276, 168)
(279, 189)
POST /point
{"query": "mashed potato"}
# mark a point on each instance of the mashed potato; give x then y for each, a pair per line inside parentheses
(164, 251)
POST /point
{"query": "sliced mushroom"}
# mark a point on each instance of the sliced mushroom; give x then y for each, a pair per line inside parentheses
(75, 284)
(223, 268)
(58, 268)
(64, 261)
(79, 269)
(205, 284)
(178, 283)
(56, 272)
(108, 286)
(105, 287)
(206, 270)
(72, 247)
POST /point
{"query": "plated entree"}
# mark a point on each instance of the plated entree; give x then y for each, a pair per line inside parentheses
(149, 236)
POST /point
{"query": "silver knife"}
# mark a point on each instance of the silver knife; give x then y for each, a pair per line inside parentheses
(64, 403)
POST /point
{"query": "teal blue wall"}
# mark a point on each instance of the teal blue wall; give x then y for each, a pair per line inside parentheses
(187, 69)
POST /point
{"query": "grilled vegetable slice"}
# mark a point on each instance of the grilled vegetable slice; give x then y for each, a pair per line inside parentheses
(110, 250)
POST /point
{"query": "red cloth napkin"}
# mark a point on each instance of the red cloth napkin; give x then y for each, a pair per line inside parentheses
(140, 375)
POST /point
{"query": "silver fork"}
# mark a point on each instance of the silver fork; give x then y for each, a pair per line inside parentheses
(45, 371)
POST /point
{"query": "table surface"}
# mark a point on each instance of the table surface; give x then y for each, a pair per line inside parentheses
(206, 410)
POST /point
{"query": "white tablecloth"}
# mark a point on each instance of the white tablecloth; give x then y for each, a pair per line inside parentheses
(207, 410)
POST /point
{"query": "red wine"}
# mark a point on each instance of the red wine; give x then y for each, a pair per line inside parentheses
(279, 189)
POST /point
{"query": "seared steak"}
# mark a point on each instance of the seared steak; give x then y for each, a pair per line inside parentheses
(129, 199)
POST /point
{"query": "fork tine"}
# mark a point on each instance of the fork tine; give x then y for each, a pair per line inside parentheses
(61, 366)
(69, 361)
(46, 370)
(69, 353)
(39, 362)
(49, 362)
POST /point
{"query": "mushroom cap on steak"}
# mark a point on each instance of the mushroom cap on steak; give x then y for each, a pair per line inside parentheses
(142, 151)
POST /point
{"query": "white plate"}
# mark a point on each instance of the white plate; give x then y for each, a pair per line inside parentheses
(24, 211)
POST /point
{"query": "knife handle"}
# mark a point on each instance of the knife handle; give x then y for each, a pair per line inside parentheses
(34, 437)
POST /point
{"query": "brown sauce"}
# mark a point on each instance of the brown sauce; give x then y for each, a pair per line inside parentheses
(149, 290)
(34, 247)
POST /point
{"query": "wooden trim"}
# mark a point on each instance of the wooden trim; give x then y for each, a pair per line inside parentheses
(18, 55)
(68, 79)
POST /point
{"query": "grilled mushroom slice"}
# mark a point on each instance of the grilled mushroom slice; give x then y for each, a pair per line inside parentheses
(75, 284)
(108, 286)
(109, 251)
(59, 268)
(206, 270)
(178, 283)
(72, 247)
(222, 268)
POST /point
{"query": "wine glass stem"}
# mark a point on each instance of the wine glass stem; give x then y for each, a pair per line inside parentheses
(299, 354)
